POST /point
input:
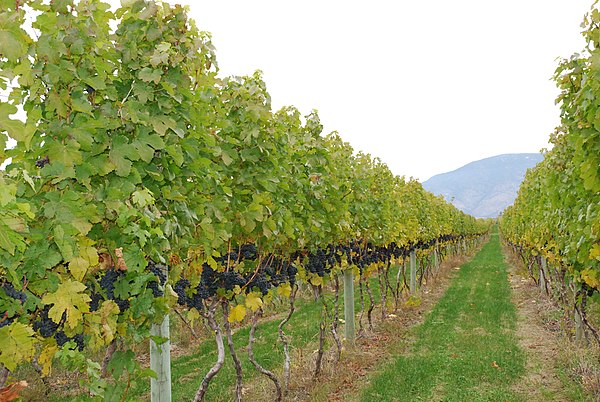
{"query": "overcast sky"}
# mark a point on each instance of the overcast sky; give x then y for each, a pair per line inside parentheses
(427, 86)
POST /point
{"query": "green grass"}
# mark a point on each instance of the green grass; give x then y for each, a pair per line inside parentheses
(466, 350)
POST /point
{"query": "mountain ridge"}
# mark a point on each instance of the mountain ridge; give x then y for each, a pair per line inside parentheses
(484, 188)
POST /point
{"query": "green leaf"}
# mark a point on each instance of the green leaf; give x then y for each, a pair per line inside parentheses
(142, 197)
(68, 154)
(78, 267)
(12, 43)
(122, 154)
(147, 74)
(176, 153)
(82, 105)
(64, 241)
(58, 104)
(122, 361)
(14, 128)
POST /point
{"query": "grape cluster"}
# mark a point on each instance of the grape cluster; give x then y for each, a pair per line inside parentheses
(249, 252)
(61, 339)
(44, 325)
(107, 283)
(179, 288)
(231, 279)
(278, 271)
(95, 302)
(42, 162)
(259, 281)
(206, 288)
(6, 321)
(12, 293)
(159, 271)
(47, 328)
(317, 263)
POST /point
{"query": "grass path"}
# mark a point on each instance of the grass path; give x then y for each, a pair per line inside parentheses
(467, 348)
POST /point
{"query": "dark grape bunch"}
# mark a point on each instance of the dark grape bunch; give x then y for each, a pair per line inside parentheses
(61, 339)
(159, 271)
(249, 252)
(180, 288)
(95, 302)
(107, 283)
(259, 281)
(44, 325)
(12, 293)
(42, 162)
(4, 321)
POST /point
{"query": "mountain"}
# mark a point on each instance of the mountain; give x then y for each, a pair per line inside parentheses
(486, 187)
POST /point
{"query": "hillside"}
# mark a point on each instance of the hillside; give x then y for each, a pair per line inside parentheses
(484, 188)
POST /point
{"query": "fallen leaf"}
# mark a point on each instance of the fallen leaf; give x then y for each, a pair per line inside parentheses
(11, 392)
(495, 365)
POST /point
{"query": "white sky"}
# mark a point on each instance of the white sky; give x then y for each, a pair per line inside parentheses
(427, 86)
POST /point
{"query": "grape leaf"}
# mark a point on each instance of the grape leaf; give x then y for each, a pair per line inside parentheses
(238, 313)
(253, 301)
(78, 267)
(45, 358)
(70, 299)
(16, 344)
(285, 289)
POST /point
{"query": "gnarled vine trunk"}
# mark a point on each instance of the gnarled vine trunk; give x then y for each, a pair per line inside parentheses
(212, 323)
(261, 369)
(285, 342)
(232, 352)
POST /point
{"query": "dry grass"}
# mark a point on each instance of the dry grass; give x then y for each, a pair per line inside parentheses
(557, 366)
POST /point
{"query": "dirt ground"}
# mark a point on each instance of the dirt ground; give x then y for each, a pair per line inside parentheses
(557, 368)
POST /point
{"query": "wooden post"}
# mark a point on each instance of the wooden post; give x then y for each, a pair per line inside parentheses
(160, 361)
(436, 261)
(413, 271)
(545, 272)
(578, 326)
(542, 273)
(349, 331)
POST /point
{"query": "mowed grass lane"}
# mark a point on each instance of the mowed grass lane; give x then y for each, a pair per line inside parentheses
(466, 350)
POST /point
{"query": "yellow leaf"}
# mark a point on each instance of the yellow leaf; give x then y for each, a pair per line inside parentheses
(70, 299)
(316, 280)
(595, 252)
(109, 313)
(45, 358)
(16, 345)
(285, 290)
(253, 301)
(591, 277)
(192, 315)
(78, 267)
(237, 314)
(88, 252)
